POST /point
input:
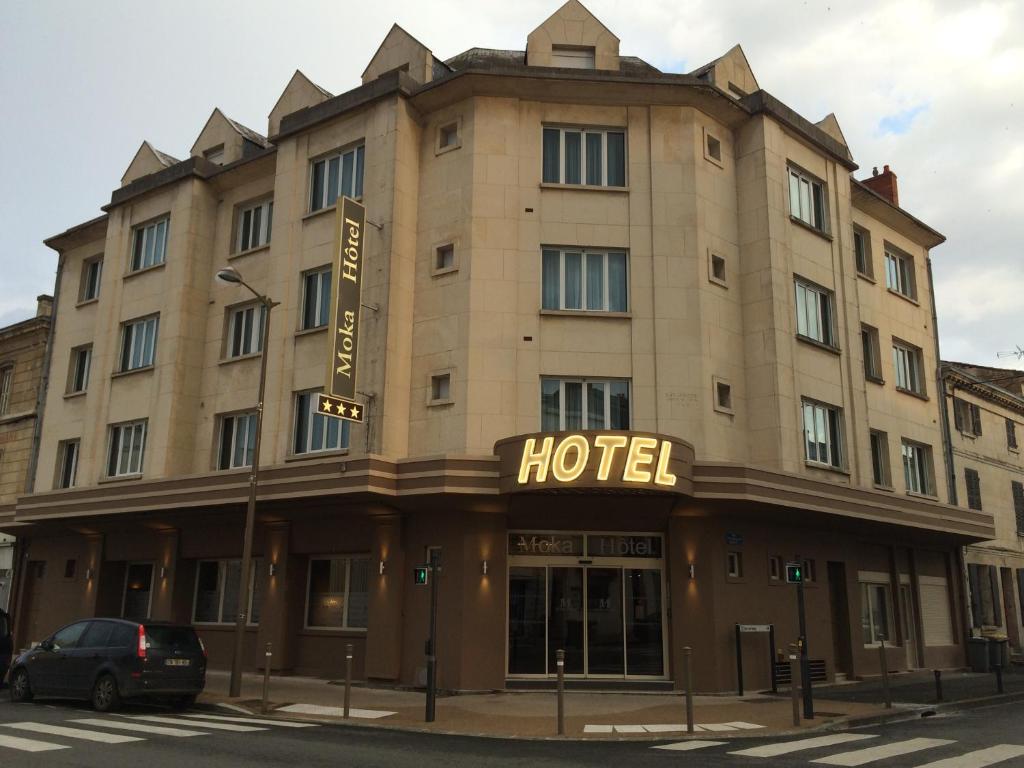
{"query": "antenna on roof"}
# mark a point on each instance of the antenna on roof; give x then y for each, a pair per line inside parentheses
(1018, 353)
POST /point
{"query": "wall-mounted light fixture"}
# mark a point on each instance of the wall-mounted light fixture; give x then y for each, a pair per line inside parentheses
(163, 572)
(483, 567)
(88, 574)
(693, 571)
(381, 567)
(273, 569)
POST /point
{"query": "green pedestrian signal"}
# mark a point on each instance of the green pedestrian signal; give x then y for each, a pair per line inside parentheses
(794, 573)
(420, 575)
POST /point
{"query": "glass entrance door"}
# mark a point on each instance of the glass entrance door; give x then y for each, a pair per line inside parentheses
(565, 619)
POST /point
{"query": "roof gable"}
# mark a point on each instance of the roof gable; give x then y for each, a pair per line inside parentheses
(301, 92)
(230, 140)
(572, 26)
(731, 72)
(830, 125)
(148, 159)
(397, 50)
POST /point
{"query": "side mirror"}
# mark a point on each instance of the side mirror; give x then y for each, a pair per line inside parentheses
(47, 644)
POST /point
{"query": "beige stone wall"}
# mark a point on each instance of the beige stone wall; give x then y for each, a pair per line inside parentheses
(24, 348)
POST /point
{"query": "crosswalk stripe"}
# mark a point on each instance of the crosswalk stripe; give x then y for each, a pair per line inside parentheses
(686, 746)
(211, 725)
(882, 751)
(785, 747)
(744, 726)
(979, 758)
(255, 720)
(73, 733)
(139, 727)
(28, 745)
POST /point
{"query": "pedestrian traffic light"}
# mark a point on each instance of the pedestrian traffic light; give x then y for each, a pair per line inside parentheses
(420, 575)
(794, 573)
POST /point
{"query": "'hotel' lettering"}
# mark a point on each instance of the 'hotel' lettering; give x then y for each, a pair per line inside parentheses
(569, 459)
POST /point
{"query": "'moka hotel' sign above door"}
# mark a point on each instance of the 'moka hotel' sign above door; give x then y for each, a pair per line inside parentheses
(637, 461)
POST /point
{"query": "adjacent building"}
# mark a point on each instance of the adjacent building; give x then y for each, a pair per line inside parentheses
(22, 370)
(985, 412)
(632, 341)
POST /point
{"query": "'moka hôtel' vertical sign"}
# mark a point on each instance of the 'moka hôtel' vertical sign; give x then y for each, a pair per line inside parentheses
(339, 395)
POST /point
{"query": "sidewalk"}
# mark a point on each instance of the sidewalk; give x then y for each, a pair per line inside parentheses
(919, 687)
(533, 713)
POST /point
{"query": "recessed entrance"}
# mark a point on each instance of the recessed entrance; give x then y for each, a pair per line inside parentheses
(598, 597)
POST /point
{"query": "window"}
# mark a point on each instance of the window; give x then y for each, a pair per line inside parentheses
(245, 330)
(899, 273)
(972, 481)
(712, 148)
(734, 565)
(92, 271)
(807, 200)
(315, 432)
(138, 343)
(906, 362)
(216, 596)
(127, 445)
(917, 468)
(874, 612)
(572, 58)
(316, 298)
(862, 252)
(590, 281)
(822, 434)
(335, 176)
(444, 258)
(440, 388)
(138, 591)
(814, 313)
(150, 245)
(1011, 434)
(983, 583)
(717, 269)
(880, 472)
(6, 380)
(872, 353)
(775, 568)
(237, 441)
(723, 395)
(448, 136)
(810, 571)
(584, 156)
(78, 372)
(254, 225)
(215, 154)
(584, 404)
(67, 463)
(1017, 489)
(966, 417)
(337, 595)
(68, 637)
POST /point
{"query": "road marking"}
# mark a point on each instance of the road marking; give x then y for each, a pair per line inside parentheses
(257, 721)
(664, 728)
(180, 721)
(28, 745)
(717, 727)
(629, 729)
(979, 758)
(73, 733)
(745, 726)
(686, 746)
(785, 747)
(598, 728)
(319, 709)
(139, 727)
(882, 751)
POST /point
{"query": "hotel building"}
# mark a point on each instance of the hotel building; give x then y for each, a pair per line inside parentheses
(631, 341)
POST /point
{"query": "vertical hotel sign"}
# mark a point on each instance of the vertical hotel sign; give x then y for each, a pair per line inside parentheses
(339, 395)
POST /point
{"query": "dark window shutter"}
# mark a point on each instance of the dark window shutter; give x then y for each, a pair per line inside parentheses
(974, 585)
(975, 419)
(1018, 506)
(973, 483)
(958, 414)
(1011, 434)
(1020, 586)
(993, 577)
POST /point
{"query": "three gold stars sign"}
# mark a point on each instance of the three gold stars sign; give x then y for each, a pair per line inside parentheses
(339, 395)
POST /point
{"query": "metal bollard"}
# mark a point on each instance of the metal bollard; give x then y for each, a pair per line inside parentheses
(560, 664)
(348, 677)
(938, 685)
(883, 662)
(999, 678)
(266, 679)
(794, 689)
(688, 683)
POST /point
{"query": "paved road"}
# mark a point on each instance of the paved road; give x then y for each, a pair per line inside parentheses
(45, 735)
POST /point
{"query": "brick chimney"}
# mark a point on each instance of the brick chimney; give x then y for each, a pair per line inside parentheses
(44, 305)
(884, 184)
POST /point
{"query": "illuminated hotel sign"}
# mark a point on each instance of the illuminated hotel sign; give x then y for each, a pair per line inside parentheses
(579, 460)
(339, 395)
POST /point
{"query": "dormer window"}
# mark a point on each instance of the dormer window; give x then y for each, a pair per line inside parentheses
(215, 155)
(570, 57)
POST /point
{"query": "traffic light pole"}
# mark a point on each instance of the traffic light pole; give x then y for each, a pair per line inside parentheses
(805, 663)
(435, 567)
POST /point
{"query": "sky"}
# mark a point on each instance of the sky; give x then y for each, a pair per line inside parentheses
(933, 88)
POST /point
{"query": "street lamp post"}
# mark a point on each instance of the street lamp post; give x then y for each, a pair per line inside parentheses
(231, 275)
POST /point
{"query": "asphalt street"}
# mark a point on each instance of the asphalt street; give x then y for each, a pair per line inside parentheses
(59, 734)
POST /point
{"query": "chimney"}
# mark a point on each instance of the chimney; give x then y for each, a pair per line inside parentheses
(44, 305)
(884, 184)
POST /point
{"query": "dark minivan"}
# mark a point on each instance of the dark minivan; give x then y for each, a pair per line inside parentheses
(107, 660)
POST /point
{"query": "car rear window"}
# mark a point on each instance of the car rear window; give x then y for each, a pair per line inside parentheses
(172, 638)
(123, 636)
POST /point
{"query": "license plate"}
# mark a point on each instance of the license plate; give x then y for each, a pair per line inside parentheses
(177, 662)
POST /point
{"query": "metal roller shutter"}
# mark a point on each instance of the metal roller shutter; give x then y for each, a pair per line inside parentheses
(938, 624)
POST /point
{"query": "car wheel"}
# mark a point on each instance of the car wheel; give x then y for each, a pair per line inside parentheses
(183, 702)
(21, 688)
(105, 697)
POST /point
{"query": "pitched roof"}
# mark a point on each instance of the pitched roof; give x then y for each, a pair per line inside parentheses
(495, 58)
(163, 157)
(248, 133)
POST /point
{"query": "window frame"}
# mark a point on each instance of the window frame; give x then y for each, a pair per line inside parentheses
(832, 421)
(448, 128)
(128, 331)
(253, 338)
(584, 414)
(717, 383)
(584, 131)
(436, 377)
(798, 176)
(115, 437)
(358, 151)
(138, 260)
(1011, 435)
(348, 558)
(867, 586)
(863, 261)
(966, 417)
(917, 459)
(606, 255)
(437, 253)
(734, 565)
(871, 346)
(900, 275)
(265, 207)
(222, 570)
(823, 300)
(972, 488)
(89, 290)
(881, 463)
(62, 463)
(344, 429)
(75, 368)
(715, 258)
(908, 366)
(323, 307)
(235, 418)
(6, 387)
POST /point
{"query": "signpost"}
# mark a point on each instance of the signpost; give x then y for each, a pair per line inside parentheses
(795, 575)
(431, 645)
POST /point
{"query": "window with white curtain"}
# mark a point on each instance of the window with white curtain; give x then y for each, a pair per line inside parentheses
(237, 440)
(138, 343)
(807, 200)
(315, 432)
(584, 404)
(814, 313)
(822, 434)
(899, 273)
(337, 175)
(127, 446)
(254, 226)
(590, 156)
(150, 245)
(245, 330)
(917, 467)
(906, 361)
(585, 280)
